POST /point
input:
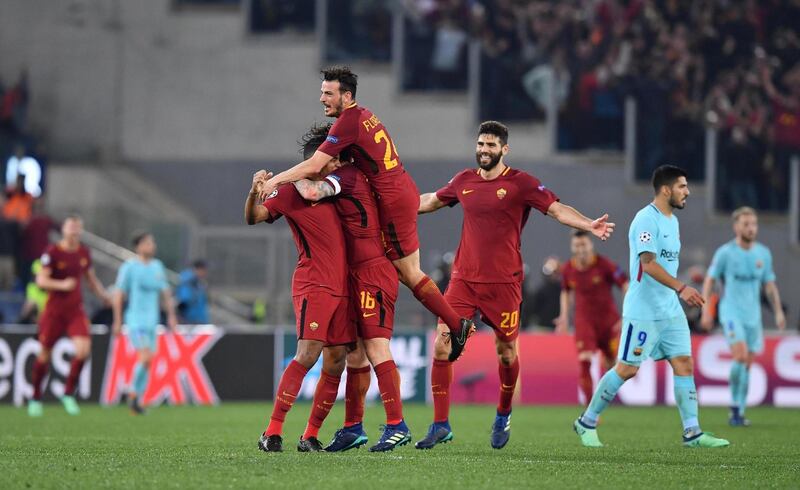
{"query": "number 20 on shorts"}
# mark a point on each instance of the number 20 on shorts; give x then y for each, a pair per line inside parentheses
(510, 319)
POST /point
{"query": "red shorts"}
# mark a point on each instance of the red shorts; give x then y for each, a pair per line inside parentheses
(497, 303)
(324, 317)
(373, 292)
(594, 334)
(398, 213)
(55, 323)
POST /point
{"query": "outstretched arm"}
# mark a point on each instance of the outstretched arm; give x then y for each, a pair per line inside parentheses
(567, 215)
(303, 170)
(429, 203)
(653, 269)
(314, 190)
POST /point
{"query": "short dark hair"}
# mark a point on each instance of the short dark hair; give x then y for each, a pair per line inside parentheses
(348, 81)
(579, 233)
(313, 138)
(667, 175)
(138, 237)
(199, 264)
(496, 128)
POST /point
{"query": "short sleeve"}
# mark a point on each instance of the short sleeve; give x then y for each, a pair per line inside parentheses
(123, 282)
(343, 180)
(645, 233)
(448, 193)
(47, 257)
(536, 195)
(342, 134)
(275, 203)
(615, 273)
(769, 273)
(717, 267)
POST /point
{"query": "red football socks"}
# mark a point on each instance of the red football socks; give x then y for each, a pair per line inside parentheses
(288, 387)
(38, 373)
(355, 393)
(431, 298)
(72, 379)
(441, 377)
(508, 382)
(389, 385)
(324, 398)
(585, 380)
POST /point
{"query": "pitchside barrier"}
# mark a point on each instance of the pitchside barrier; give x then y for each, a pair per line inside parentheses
(208, 364)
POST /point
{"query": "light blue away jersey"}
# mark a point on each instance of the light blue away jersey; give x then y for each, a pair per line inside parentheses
(142, 284)
(648, 299)
(742, 273)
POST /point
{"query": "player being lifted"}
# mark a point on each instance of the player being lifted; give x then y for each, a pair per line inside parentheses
(588, 279)
(63, 266)
(653, 322)
(320, 297)
(742, 265)
(487, 271)
(142, 281)
(373, 292)
(373, 152)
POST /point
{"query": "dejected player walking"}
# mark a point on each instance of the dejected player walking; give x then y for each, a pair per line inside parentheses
(653, 322)
(372, 150)
(487, 271)
(587, 280)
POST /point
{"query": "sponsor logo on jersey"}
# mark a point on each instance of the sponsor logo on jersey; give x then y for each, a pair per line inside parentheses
(501, 193)
(670, 255)
(466, 191)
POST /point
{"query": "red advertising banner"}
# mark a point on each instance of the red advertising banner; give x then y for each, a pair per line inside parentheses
(549, 373)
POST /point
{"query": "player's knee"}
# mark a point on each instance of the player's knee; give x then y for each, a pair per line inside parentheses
(378, 351)
(357, 358)
(506, 354)
(334, 360)
(682, 366)
(308, 353)
(626, 371)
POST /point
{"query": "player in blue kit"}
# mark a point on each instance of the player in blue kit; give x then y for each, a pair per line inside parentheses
(142, 281)
(742, 266)
(653, 322)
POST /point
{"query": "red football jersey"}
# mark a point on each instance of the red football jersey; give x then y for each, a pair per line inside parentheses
(63, 264)
(495, 211)
(318, 236)
(358, 209)
(360, 131)
(592, 286)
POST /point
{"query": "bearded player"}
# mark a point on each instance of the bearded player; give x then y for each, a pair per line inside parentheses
(320, 297)
(653, 322)
(487, 271)
(742, 266)
(63, 266)
(587, 280)
(373, 292)
(360, 132)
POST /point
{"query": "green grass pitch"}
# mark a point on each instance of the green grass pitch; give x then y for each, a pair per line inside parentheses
(215, 447)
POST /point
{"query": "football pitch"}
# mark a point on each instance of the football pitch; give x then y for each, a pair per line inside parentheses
(215, 447)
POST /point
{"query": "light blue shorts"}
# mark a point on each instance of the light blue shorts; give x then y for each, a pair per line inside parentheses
(142, 338)
(736, 331)
(657, 339)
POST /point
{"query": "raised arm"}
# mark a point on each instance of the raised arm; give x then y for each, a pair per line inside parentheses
(253, 211)
(653, 269)
(775, 300)
(429, 203)
(314, 190)
(303, 170)
(567, 215)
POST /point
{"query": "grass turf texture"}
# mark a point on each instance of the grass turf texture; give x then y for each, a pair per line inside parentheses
(216, 447)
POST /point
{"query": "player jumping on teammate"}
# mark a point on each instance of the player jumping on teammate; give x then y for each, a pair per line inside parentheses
(360, 132)
(588, 279)
(487, 271)
(742, 266)
(63, 266)
(653, 322)
(373, 292)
